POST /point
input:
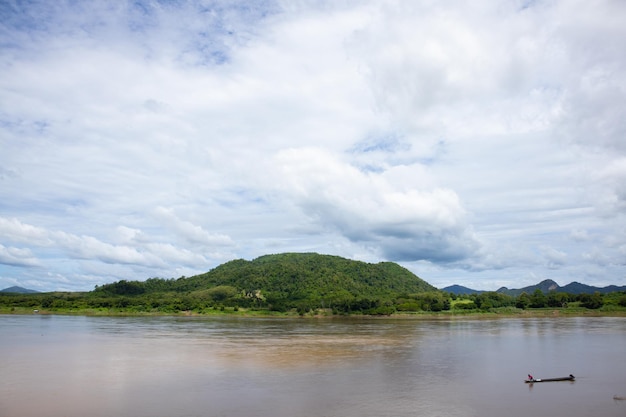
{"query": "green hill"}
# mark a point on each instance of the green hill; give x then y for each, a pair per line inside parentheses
(288, 280)
(310, 275)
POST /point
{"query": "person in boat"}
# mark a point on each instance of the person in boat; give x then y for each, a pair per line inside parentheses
(530, 377)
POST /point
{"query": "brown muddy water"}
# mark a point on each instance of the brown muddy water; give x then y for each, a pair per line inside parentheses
(61, 366)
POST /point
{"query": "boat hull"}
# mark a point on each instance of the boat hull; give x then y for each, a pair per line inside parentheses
(565, 378)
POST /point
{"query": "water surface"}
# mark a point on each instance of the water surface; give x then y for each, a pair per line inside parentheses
(163, 366)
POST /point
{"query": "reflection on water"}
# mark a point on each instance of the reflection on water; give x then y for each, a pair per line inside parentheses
(93, 366)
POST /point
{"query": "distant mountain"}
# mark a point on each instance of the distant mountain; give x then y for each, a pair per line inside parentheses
(545, 286)
(18, 290)
(578, 288)
(460, 290)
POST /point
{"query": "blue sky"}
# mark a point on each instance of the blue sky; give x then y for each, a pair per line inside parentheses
(475, 143)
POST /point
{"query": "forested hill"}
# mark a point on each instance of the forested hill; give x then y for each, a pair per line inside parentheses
(287, 278)
(312, 275)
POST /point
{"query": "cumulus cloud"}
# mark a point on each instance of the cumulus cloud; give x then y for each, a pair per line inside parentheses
(15, 231)
(406, 224)
(479, 142)
(436, 67)
(142, 252)
(17, 257)
(612, 179)
(597, 257)
(554, 257)
(189, 231)
(88, 247)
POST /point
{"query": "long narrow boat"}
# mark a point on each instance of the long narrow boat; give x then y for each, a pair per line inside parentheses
(565, 378)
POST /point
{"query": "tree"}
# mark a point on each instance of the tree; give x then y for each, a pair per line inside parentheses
(493, 299)
(557, 299)
(538, 299)
(523, 301)
(432, 301)
(592, 301)
(222, 292)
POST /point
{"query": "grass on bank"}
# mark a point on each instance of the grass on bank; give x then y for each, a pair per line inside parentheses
(570, 311)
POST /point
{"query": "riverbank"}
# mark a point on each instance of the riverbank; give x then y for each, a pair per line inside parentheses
(506, 312)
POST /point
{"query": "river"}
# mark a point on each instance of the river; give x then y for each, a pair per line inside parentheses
(67, 366)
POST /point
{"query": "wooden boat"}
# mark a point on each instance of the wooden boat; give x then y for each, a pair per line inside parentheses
(565, 378)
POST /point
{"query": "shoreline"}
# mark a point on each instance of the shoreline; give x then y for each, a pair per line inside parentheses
(504, 313)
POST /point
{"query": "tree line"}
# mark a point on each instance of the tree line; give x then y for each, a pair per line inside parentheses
(538, 299)
(305, 283)
(129, 297)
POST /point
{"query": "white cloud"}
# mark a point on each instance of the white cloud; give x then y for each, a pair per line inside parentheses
(477, 142)
(17, 257)
(191, 232)
(173, 255)
(612, 182)
(579, 235)
(138, 249)
(406, 224)
(554, 258)
(15, 231)
(598, 257)
(88, 247)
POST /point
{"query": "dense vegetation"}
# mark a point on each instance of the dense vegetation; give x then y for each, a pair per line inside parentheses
(304, 283)
(301, 281)
(538, 299)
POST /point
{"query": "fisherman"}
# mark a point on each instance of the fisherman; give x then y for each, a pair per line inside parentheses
(530, 377)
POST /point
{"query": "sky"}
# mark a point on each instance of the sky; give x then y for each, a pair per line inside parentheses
(479, 143)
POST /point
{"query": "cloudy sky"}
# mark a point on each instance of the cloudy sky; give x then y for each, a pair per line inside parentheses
(480, 143)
